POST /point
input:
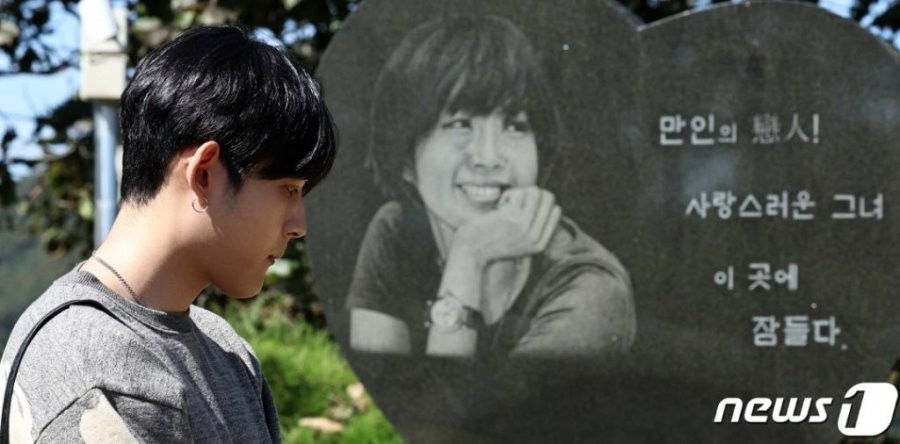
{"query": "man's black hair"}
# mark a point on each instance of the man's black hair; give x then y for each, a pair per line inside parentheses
(217, 83)
(461, 63)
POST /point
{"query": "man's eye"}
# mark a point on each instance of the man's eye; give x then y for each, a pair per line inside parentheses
(293, 191)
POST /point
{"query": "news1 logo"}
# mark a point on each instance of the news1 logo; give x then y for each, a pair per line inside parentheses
(873, 402)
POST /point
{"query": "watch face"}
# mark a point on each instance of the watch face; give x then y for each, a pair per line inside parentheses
(446, 314)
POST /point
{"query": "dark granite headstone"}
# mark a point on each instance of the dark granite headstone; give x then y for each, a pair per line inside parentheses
(770, 171)
(737, 161)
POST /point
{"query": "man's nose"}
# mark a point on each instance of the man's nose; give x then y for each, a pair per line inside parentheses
(295, 226)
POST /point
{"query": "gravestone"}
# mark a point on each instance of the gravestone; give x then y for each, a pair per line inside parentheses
(781, 117)
(736, 162)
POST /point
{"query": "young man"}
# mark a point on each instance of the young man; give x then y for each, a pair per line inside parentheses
(223, 136)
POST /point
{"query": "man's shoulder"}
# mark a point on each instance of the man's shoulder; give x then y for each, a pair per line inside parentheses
(80, 349)
(218, 330)
(69, 326)
(82, 336)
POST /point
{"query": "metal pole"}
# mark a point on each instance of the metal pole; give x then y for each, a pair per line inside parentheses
(105, 135)
(103, 59)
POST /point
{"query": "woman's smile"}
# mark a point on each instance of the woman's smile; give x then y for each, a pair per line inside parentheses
(482, 194)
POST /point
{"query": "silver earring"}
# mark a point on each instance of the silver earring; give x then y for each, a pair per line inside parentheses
(201, 209)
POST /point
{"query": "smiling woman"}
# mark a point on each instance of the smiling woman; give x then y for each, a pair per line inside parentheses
(472, 257)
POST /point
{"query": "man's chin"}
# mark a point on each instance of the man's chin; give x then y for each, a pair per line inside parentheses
(241, 293)
(246, 295)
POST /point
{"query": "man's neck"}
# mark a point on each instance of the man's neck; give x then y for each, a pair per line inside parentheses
(145, 249)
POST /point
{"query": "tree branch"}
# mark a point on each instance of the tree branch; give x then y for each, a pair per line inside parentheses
(52, 70)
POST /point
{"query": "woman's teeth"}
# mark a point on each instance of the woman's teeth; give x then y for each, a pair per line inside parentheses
(481, 193)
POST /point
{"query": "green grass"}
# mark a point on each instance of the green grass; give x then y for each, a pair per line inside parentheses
(26, 270)
(308, 376)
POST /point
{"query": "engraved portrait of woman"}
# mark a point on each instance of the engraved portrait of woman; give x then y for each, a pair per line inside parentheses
(471, 256)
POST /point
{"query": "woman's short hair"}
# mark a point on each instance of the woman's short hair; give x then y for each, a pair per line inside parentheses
(463, 63)
(218, 83)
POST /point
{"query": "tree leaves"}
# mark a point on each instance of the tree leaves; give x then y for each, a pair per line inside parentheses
(40, 16)
(27, 60)
(9, 32)
(8, 137)
(7, 186)
(890, 19)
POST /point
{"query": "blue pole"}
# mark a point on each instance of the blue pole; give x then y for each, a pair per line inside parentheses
(105, 135)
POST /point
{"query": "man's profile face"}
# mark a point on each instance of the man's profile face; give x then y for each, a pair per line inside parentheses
(252, 228)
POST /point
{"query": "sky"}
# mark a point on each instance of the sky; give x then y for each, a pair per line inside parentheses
(22, 97)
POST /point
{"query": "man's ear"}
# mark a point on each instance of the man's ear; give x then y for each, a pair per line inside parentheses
(201, 164)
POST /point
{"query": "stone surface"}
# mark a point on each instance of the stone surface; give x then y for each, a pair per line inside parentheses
(758, 65)
(753, 65)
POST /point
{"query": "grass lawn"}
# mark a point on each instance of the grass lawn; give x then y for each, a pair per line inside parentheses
(318, 397)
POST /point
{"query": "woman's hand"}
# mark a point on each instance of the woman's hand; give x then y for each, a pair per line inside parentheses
(522, 225)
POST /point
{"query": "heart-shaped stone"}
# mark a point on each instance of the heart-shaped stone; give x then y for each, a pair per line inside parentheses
(738, 161)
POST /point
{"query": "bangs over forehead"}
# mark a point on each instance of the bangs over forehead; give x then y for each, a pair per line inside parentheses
(298, 140)
(477, 65)
(492, 70)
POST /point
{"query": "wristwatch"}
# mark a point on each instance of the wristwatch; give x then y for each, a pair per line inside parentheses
(447, 314)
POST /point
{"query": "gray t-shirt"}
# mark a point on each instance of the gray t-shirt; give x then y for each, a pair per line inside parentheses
(154, 377)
